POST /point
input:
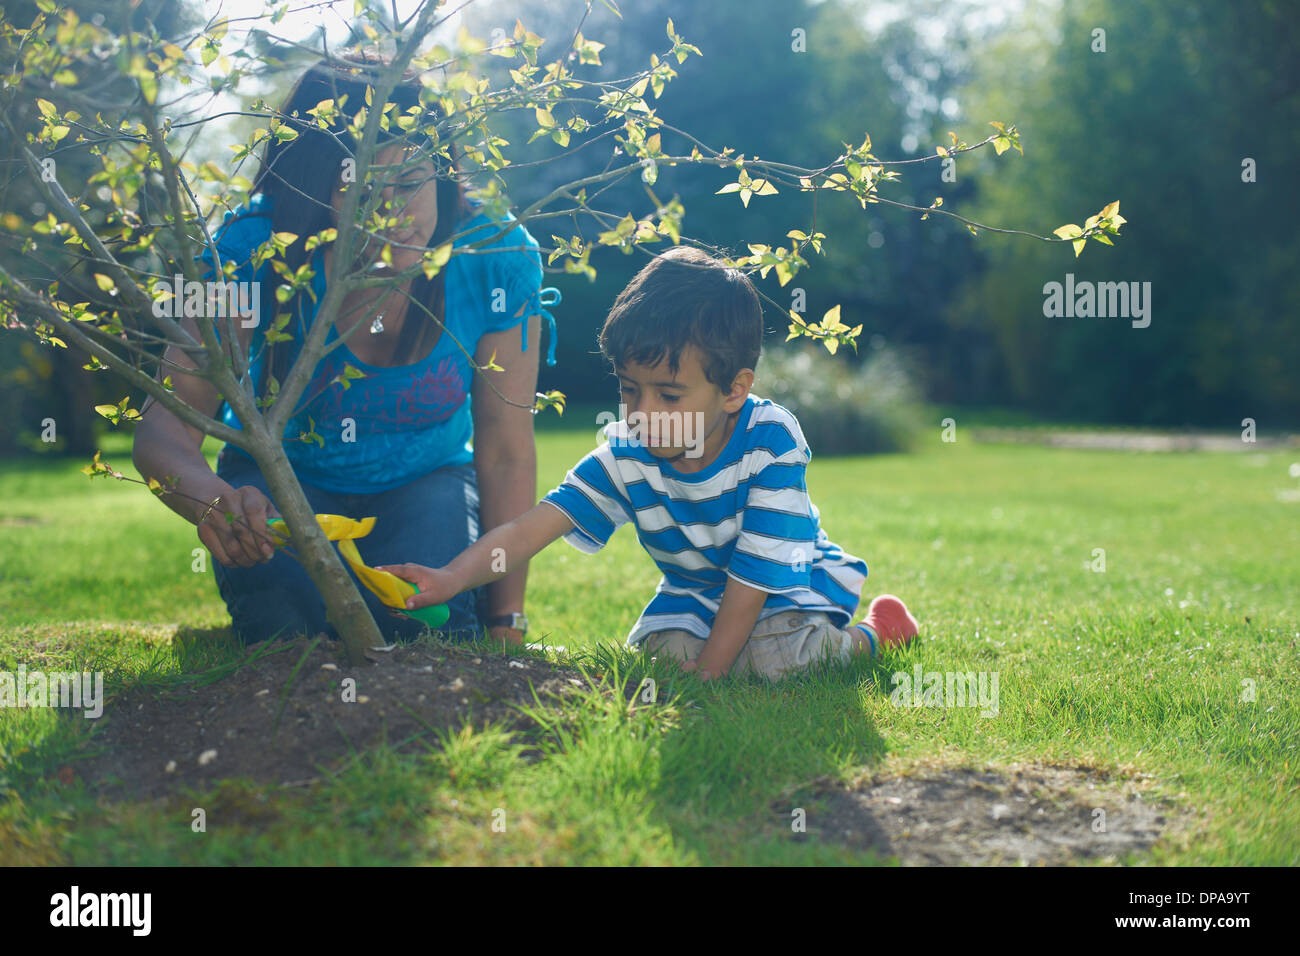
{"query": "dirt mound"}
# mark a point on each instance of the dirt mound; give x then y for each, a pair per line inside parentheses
(1022, 815)
(285, 717)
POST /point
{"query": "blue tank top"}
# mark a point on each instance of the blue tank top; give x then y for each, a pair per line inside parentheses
(396, 423)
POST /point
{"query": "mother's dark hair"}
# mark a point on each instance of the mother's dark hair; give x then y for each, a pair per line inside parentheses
(300, 177)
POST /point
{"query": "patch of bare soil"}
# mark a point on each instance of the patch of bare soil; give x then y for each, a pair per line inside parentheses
(1023, 815)
(286, 719)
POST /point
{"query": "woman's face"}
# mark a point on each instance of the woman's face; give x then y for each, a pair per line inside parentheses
(409, 195)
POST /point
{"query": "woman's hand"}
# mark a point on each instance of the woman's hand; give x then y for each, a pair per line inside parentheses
(236, 544)
(503, 633)
(437, 585)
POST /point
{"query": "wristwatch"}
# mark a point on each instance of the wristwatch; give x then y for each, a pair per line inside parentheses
(515, 620)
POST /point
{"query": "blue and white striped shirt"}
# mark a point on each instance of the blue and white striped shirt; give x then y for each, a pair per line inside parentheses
(746, 516)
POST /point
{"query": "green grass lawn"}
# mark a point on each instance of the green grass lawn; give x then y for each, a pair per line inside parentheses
(1142, 666)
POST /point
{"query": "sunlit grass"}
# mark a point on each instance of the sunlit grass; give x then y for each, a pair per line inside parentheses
(1147, 665)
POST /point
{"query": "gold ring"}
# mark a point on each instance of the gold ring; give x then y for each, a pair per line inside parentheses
(209, 510)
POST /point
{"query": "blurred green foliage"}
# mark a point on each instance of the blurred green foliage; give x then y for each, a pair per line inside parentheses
(44, 390)
(843, 409)
(1162, 120)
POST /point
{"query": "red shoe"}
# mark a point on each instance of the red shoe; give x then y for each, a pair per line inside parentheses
(891, 621)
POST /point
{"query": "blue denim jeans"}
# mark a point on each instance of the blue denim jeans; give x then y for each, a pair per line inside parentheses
(427, 521)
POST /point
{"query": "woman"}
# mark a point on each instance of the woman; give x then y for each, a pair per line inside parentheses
(395, 444)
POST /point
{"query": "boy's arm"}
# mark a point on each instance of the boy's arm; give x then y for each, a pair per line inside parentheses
(778, 531)
(491, 557)
(737, 615)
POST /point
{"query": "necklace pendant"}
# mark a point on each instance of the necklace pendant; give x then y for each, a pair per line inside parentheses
(377, 326)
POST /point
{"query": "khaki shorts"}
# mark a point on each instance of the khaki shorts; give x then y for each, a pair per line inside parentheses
(780, 644)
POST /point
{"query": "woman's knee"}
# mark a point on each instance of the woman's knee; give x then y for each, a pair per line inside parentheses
(267, 615)
(269, 598)
(428, 521)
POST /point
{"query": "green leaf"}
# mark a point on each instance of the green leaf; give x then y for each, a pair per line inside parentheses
(349, 373)
(325, 235)
(552, 399)
(436, 259)
(588, 50)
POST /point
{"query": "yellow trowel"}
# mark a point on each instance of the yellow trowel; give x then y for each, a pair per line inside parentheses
(389, 588)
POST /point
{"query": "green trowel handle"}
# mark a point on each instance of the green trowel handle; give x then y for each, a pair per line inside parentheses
(435, 615)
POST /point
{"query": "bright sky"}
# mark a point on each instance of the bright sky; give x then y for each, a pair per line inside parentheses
(307, 16)
(299, 25)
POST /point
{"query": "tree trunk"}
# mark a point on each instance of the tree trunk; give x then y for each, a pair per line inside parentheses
(344, 606)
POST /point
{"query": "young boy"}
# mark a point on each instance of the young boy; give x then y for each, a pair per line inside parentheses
(713, 478)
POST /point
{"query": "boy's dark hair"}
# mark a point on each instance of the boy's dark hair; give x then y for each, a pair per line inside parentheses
(686, 297)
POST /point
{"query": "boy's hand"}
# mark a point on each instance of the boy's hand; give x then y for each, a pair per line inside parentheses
(702, 674)
(436, 585)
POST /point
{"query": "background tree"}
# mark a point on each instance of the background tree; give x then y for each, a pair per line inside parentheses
(1181, 97)
(35, 383)
(793, 80)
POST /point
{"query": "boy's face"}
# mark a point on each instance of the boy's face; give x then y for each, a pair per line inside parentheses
(680, 417)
